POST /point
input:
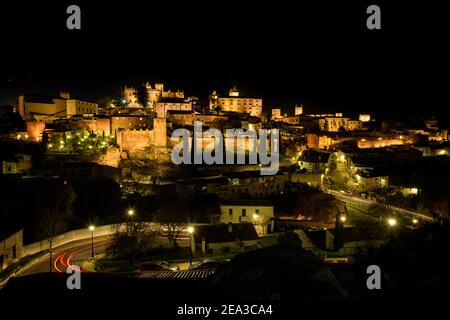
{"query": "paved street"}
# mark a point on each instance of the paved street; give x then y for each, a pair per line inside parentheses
(367, 202)
(75, 252)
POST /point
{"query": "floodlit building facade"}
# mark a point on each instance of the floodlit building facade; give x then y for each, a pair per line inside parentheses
(48, 109)
(258, 212)
(236, 103)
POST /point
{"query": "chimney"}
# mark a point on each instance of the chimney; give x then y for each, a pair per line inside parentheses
(230, 227)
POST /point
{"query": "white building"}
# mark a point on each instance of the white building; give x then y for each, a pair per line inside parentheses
(258, 212)
(51, 108)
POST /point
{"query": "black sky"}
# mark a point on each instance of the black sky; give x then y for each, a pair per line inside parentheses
(318, 53)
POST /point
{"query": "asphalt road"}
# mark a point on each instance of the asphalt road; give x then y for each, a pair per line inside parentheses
(367, 202)
(72, 253)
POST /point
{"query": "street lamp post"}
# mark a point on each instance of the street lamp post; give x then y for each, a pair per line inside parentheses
(129, 224)
(92, 228)
(191, 235)
(392, 222)
(415, 222)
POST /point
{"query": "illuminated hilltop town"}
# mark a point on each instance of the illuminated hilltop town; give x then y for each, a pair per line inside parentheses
(127, 142)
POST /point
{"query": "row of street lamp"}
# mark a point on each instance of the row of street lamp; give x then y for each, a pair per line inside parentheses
(392, 222)
(130, 213)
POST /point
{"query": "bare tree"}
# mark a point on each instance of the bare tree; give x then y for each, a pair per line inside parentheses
(171, 220)
(56, 216)
(323, 207)
(137, 238)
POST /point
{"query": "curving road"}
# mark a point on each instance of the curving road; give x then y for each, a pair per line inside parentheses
(72, 253)
(367, 202)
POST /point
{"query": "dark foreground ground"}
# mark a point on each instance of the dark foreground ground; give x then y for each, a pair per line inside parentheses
(291, 280)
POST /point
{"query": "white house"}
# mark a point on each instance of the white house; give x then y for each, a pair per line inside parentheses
(258, 212)
(220, 238)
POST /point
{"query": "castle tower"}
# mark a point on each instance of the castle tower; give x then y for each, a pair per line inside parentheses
(129, 94)
(159, 132)
(213, 97)
(233, 92)
(159, 87)
(276, 114)
(298, 109)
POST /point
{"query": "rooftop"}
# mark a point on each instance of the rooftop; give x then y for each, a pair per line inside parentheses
(314, 156)
(252, 202)
(180, 111)
(202, 180)
(239, 97)
(172, 100)
(215, 233)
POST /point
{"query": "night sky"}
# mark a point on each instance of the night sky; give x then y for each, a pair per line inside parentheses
(319, 54)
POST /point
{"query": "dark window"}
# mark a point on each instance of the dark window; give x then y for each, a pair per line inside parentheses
(230, 211)
(244, 212)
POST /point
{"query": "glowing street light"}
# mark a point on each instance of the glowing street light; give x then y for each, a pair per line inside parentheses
(190, 230)
(415, 221)
(343, 218)
(392, 222)
(92, 228)
(130, 212)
